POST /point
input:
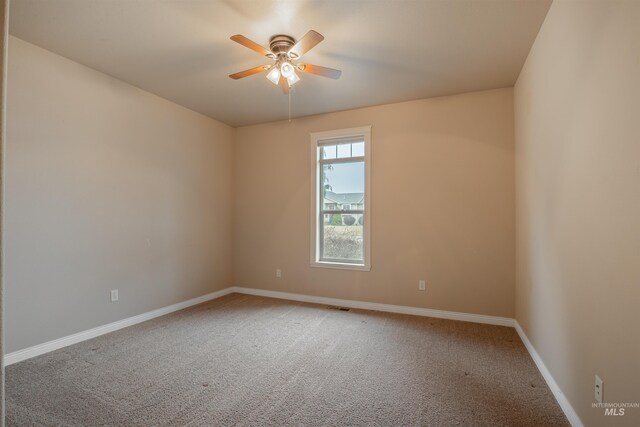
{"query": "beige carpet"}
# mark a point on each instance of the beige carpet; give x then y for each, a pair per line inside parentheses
(244, 360)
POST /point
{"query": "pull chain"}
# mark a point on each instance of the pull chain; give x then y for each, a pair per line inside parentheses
(289, 106)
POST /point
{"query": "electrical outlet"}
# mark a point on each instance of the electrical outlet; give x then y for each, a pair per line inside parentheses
(598, 389)
(422, 285)
(114, 295)
(278, 273)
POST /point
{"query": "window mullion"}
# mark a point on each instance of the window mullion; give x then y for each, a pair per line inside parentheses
(341, 212)
(342, 160)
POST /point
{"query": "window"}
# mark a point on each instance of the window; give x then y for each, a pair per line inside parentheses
(340, 210)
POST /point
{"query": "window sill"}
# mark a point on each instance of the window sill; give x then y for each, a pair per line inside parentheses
(341, 265)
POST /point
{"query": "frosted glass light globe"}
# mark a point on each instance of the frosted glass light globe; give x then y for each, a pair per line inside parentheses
(287, 69)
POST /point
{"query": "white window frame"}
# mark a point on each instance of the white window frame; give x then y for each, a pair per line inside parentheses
(317, 217)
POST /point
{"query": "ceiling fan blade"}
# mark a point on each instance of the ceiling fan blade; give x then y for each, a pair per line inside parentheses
(238, 38)
(320, 71)
(284, 84)
(305, 44)
(249, 72)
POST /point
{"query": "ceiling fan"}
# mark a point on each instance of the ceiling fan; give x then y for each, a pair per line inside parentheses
(284, 50)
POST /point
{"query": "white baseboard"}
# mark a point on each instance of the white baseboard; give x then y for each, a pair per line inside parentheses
(402, 309)
(46, 347)
(568, 410)
(36, 350)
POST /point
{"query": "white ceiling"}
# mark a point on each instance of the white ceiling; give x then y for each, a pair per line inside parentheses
(388, 50)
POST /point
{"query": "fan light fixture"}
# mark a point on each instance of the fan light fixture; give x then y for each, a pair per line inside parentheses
(284, 49)
(285, 70)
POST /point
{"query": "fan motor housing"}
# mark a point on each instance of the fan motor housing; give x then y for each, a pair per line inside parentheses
(280, 44)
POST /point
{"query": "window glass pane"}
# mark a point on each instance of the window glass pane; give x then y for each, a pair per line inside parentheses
(358, 149)
(342, 237)
(342, 183)
(329, 152)
(344, 150)
(342, 234)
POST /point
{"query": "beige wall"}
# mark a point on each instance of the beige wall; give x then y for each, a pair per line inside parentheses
(577, 116)
(442, 205)
(107, 186)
